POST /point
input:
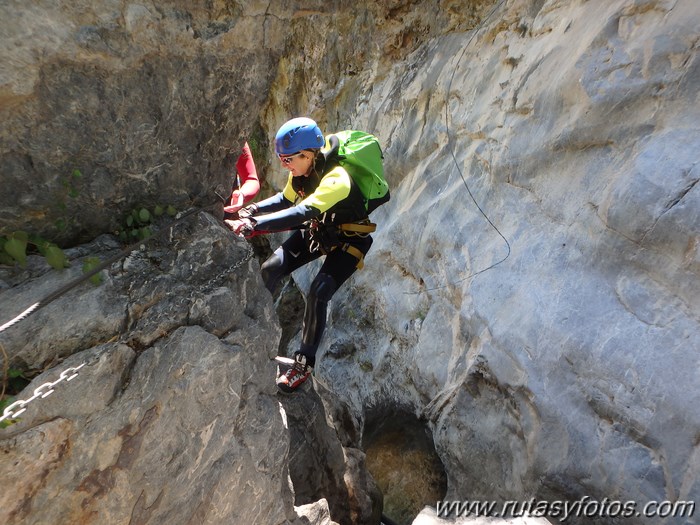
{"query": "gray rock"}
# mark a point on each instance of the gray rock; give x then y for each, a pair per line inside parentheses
(144, 100)
(177, 420)
(324, 457)
(566, 371)
(184, 439)
(314, 513)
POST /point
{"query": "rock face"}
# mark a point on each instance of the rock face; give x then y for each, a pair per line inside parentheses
(324, 458)
(174, 431)
(567, 370)
(151, 102)
(173, 416)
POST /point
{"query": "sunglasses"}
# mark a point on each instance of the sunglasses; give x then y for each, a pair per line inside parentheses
(288, 158)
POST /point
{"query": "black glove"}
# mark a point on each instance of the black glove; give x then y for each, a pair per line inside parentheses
(248, 211)
(241, 227)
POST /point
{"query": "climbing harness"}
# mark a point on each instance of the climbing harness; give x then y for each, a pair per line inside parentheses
(358, 229)
(325, 238)
(350, 249)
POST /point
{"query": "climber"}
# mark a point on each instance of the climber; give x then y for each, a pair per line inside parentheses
(324, 201)
(247, 183)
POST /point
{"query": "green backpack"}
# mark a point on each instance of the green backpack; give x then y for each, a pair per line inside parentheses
(360, 154)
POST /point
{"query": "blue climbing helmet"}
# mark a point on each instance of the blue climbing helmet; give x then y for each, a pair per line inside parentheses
(298, 134)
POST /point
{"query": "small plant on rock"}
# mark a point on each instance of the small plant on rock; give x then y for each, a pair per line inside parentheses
(137, 223)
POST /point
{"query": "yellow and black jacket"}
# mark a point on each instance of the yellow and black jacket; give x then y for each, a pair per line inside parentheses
(328, 194)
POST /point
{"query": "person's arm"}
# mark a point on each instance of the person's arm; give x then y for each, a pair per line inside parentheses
(333, 188)
(248, 216)
(278, 201)
(248, 183)
(245, 166)
(284, 219)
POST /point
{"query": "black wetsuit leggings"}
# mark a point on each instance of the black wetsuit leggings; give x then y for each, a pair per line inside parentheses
(336, 269)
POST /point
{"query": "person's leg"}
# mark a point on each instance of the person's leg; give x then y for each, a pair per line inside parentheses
(337, 268)
(294, 253)
(322, 289)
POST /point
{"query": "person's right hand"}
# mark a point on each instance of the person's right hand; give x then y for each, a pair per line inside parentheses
(241, 227)
(236, 203)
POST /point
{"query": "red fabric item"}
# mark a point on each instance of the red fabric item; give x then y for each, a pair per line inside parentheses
(245, 166)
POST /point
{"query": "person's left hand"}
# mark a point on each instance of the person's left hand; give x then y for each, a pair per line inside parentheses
(235, 204)
(241, 227)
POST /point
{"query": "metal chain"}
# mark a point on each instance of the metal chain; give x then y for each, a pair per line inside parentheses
(235, 266)
(42, 391)
(46, 389)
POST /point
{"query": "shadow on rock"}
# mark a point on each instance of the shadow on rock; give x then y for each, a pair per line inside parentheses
(324, 458)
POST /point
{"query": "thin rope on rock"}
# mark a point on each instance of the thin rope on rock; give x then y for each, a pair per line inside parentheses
(459, 170)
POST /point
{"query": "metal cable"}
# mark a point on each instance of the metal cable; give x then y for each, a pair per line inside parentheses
(106, 264)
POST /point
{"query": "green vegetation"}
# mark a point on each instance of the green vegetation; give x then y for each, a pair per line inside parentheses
(136, 224)
(15, 245)
(89, 264)
(13, 381)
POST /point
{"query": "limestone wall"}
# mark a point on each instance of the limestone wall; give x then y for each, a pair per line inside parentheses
(568, 369)
(571, 367)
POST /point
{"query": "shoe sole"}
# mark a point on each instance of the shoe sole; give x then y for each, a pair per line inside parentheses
(288, 362)
(284, 389)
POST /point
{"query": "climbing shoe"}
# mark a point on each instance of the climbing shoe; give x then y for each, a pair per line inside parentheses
(295, 376)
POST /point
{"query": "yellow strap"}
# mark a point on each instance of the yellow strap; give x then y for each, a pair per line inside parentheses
(348, 248)
(355, 253)
(358, 228)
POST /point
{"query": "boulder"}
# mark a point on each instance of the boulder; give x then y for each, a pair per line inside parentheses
(173, 416)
